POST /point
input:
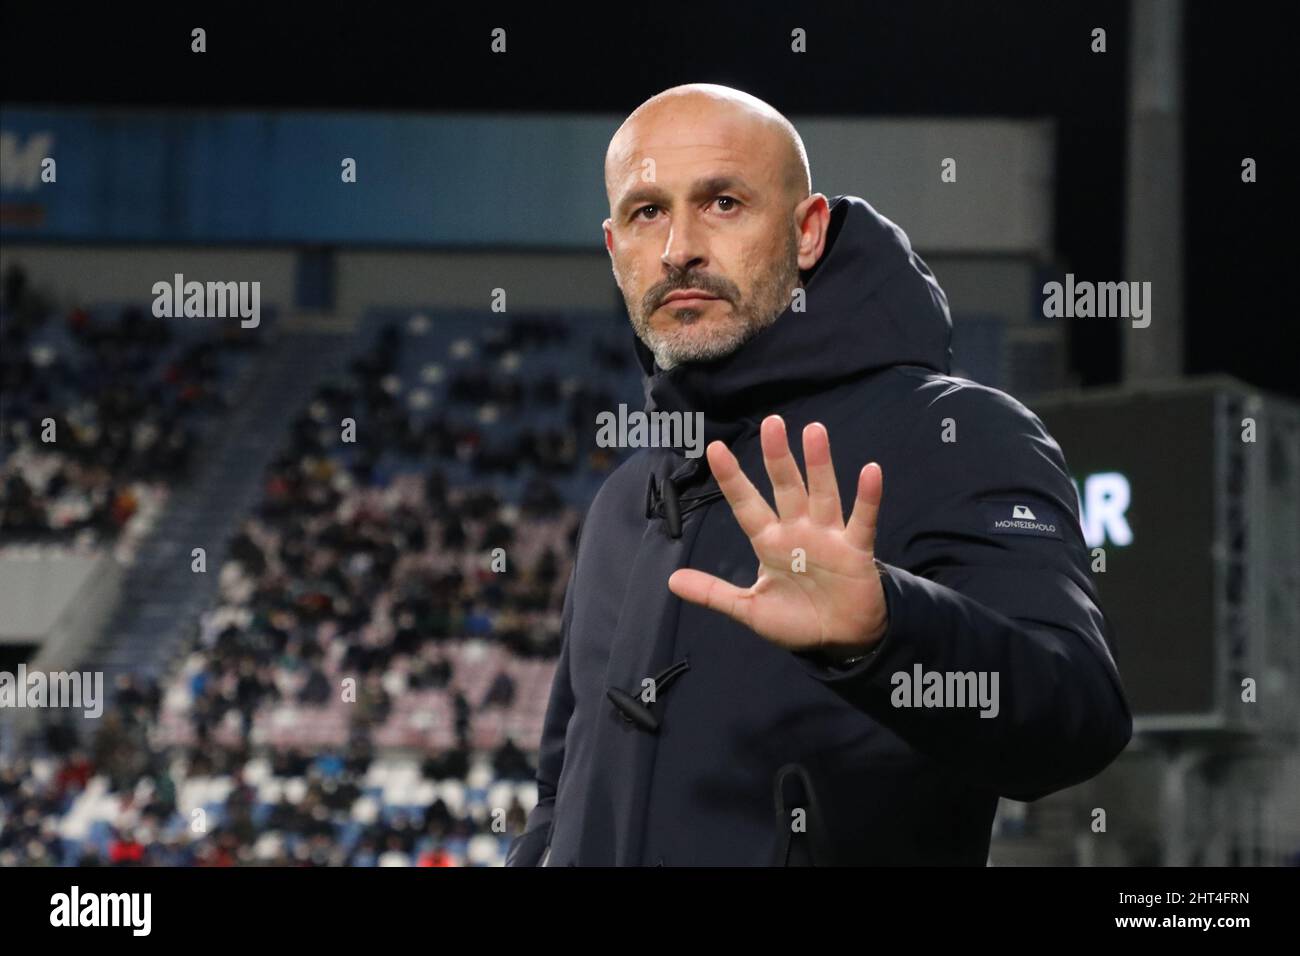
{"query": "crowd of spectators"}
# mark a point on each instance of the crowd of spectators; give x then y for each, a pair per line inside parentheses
(100, 414)
(350, 586)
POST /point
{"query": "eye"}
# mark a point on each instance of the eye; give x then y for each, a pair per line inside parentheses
(731, 199)
(637, 214)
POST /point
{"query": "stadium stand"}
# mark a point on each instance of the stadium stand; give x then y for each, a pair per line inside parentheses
(364, 686)
(129, 398)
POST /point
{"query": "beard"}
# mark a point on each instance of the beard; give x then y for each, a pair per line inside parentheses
(684, 342)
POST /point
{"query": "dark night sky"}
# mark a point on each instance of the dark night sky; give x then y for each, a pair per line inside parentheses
(1017, 59)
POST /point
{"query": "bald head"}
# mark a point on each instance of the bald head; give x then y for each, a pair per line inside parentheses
(711, 219)
(769, 138)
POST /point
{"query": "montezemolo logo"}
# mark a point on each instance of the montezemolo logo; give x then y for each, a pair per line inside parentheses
(1023, 518)
(1103, 513)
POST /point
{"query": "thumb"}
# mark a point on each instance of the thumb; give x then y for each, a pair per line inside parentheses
(711, 592)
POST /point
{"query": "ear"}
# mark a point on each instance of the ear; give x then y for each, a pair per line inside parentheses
(812, 218)
(609, 236)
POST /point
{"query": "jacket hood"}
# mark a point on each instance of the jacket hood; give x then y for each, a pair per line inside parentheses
(870, 303)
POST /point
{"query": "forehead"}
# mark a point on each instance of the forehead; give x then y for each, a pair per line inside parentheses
(685, 143)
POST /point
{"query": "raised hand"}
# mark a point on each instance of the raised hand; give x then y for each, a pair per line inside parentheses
(830, 599)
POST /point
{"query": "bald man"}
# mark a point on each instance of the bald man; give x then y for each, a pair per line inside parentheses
(767, 658)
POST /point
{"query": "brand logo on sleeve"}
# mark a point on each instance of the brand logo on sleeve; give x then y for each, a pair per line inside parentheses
(1010, 517)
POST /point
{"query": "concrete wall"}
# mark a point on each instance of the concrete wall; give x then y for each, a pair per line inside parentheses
(87, 274)
(35, 590)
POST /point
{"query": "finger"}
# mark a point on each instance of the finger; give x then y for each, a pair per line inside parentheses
(751, 511)
(861, 529)
(711, 592)
(787, 483)
(824, 505)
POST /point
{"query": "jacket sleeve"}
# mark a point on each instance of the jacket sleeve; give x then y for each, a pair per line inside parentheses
(968, 591)
(528, 847)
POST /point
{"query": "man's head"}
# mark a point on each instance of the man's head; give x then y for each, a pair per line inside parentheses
(708, 191)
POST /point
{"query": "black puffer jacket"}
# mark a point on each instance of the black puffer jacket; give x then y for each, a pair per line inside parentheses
(752, 754)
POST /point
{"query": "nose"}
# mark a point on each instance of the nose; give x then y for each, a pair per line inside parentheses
(685, 247)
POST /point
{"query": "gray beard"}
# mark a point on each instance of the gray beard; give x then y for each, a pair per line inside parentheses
(663, 354)
(776, 302)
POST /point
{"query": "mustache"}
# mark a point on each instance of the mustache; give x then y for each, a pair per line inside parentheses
(720, 288)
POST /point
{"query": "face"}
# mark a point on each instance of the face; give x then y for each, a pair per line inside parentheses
(705, 241)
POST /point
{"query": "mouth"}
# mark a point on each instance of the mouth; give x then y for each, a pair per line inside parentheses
(688, 298)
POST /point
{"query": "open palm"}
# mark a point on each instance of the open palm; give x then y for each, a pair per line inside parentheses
(818, 588)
